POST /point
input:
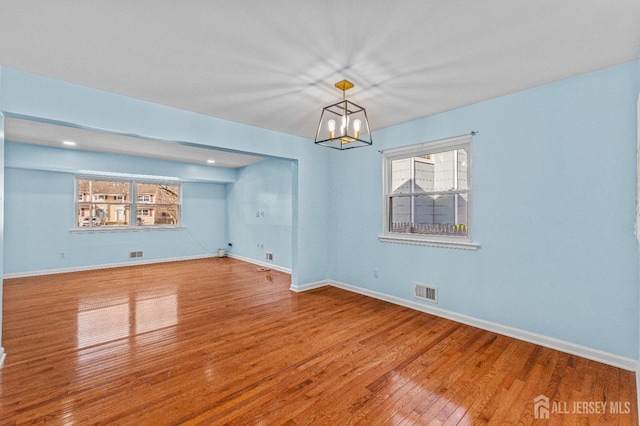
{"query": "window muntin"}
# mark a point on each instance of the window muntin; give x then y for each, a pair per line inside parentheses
(108, 203)
(427, 191)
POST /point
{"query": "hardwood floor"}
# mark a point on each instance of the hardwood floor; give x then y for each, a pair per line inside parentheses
(215, 341)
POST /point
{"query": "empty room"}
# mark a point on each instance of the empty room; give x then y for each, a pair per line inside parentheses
(320, 212)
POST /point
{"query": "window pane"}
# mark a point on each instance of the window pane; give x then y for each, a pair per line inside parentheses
(429, 214)
(158, 193)
(85, 216)
(103, 203)
(153, 214)
(158, 204)
(103, 190)
(99, 214)
(167, 215)
(438, 171)
(401, 176)
(463, 166)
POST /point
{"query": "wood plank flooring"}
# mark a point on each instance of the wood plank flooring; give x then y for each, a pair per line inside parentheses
(215, 341)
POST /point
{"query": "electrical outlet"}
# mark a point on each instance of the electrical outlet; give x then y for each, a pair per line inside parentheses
(268, 256)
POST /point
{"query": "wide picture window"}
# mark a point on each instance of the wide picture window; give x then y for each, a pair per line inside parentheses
(107, 203)
(427, 194)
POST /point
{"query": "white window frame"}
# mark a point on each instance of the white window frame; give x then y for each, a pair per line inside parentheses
(464, 242)
(133, 205)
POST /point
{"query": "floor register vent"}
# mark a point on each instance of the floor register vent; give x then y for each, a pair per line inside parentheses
(425, 292)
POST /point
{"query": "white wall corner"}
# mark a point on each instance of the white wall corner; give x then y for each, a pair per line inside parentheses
(309, 286)
(259, 263)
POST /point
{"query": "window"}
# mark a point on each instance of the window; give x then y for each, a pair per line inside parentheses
(427, 194)
(107, 203)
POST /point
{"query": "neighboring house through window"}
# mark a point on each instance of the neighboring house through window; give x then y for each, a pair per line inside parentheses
(427, 194)
(108, 203)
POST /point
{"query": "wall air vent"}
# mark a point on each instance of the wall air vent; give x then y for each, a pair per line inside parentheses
(425, 292)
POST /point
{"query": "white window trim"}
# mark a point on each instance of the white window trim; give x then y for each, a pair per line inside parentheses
(133, 181)
(443, 241)
(107, 229)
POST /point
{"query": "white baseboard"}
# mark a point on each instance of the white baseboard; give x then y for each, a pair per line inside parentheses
(3, 356)
(309, 286)
(549, 342)
(259, 263)
(137, 263)
(104, 266)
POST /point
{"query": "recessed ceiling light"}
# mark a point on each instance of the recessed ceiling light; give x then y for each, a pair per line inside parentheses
(211, 161)
(69, 143)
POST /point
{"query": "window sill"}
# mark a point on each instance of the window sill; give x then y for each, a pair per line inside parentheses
(452, 243)
(109, 229)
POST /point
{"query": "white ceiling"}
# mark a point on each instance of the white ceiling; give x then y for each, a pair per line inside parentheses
(272, 64)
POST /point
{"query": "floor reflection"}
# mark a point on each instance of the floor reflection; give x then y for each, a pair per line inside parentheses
(100, 325)
(102, 320)
(158, 312)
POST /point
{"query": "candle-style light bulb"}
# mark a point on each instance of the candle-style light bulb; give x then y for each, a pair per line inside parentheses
(356, 128)
(331, 124)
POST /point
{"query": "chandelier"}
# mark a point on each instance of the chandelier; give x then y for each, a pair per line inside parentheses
(343, 125)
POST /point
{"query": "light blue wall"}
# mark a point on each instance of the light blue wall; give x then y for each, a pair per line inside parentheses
(259, 206)
(29, 95)
(554, 174)
(638, 217)
(2, 196)
(554, 193)
(39, 209)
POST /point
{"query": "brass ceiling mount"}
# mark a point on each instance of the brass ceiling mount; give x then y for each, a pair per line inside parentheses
(344, 85)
